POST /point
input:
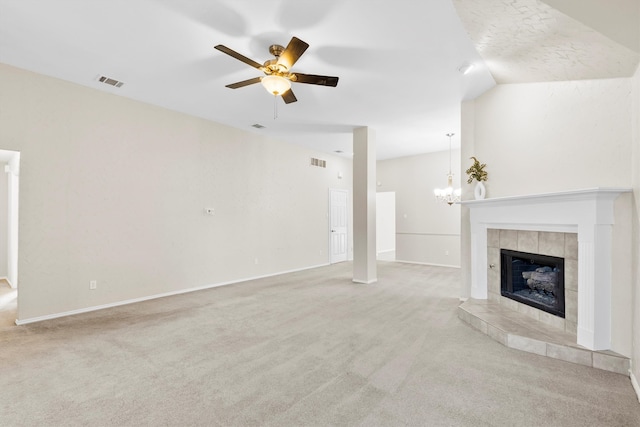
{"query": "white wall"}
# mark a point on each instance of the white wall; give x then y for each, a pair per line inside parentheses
(113, 190)
(547, 137)
(427, 231)
(385, 222)
(467, 149)
(543, 137)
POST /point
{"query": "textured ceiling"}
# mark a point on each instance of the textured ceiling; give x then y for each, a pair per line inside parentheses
(530, 41)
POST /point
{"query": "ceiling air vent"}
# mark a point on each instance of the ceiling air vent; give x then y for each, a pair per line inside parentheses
(318, 162)
(109, 81)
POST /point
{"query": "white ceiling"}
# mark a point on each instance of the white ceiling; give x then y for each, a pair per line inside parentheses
(397, 61)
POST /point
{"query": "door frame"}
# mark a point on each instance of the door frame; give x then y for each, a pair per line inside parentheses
(12, 169)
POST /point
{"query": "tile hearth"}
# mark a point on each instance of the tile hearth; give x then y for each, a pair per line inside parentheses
(518, 331)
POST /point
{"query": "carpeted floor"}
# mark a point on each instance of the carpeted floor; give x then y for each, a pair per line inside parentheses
(304, 349)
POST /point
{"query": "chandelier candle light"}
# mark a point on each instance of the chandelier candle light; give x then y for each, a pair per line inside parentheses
(448, 195)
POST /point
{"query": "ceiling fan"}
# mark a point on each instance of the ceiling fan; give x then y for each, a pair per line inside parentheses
(278, 76)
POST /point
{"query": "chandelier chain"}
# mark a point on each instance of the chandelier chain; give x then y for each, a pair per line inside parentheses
(448, 195)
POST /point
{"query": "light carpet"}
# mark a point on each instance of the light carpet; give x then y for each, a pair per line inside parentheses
(310, 348)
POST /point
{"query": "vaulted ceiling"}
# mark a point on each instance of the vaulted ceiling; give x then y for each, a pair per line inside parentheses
(553, 40)
(398, 62)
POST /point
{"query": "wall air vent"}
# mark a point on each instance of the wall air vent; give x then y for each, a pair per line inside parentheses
(109, 81)
(318, 162)
(257, 126)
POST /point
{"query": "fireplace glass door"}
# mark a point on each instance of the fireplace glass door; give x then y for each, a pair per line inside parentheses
(533, 279)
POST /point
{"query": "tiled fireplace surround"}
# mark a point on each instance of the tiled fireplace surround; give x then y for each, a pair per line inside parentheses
(563, 245)
(575, 225)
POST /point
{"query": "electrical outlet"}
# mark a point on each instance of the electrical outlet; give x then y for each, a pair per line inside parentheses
(93, 284)
(446, 253)
(255, 261)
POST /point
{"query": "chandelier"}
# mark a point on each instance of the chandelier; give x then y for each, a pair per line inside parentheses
(448, 195)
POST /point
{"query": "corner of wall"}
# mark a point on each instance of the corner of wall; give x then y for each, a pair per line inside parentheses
(635, 158)
(467, 148)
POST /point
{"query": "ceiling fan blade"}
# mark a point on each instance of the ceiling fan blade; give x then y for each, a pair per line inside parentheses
(238, 56)
(316, 80)
(244, 83)
(292, 52)
(288, 97)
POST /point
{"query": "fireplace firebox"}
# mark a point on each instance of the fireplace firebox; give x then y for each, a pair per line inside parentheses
(533, 279)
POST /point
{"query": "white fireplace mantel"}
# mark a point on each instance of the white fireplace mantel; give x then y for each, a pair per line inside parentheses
(590, 214)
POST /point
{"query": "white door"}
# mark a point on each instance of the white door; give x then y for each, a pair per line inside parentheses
(338, 221)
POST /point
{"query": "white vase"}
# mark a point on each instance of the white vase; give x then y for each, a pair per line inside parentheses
(480, 191)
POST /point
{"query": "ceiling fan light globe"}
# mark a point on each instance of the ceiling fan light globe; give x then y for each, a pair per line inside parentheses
(275, 85)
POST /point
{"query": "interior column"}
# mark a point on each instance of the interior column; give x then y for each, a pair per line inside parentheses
(364, 206)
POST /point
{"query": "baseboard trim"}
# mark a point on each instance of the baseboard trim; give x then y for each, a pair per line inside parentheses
(365, 282)
(6, 279)
(634, 383)
(21, 322)
(427, 263)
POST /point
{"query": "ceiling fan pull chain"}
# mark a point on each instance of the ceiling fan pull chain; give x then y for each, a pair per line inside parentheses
(275, 107)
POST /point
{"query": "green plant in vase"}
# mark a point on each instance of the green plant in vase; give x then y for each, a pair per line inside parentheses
(477, 173)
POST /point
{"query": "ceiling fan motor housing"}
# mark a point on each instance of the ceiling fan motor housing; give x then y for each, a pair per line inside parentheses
(276, 50)
(272, 67)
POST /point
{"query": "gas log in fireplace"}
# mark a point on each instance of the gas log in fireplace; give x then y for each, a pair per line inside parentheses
(533, 279)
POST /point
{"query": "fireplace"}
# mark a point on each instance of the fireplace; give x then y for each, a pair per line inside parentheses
(533, 279)
(590, 214)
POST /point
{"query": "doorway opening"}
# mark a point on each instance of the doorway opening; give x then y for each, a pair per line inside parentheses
(9, 196)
